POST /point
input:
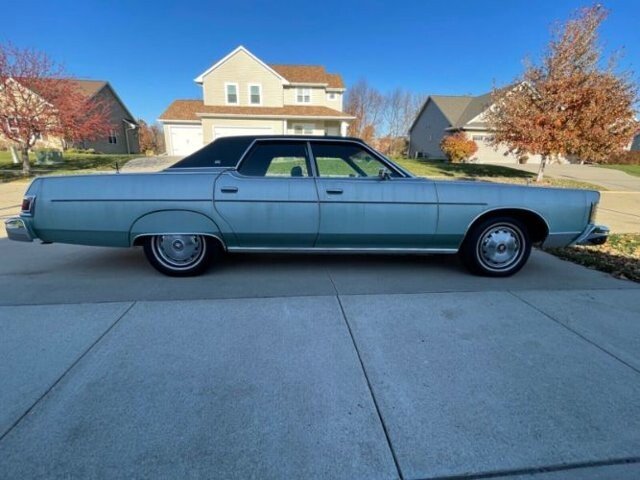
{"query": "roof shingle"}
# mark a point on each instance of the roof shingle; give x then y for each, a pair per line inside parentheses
(308, 74)
(194, 109)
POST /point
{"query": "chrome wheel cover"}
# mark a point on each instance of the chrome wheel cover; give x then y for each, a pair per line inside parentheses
(500, 247)
(179, 252)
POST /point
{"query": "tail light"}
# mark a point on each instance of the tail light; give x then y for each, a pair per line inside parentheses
(593, 213)
(28, 203)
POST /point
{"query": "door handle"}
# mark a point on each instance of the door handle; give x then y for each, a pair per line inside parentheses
(334, 191)
(229, 189)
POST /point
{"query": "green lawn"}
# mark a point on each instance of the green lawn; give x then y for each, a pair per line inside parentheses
(630, 169)
(73, 163)
(490, 173)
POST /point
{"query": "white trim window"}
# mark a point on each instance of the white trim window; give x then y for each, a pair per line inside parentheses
(255, 94)
(113, 137)
(331, 96)
(303, 95)
(303, 128)
(231, 93)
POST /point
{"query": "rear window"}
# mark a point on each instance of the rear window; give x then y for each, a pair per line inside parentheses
(224, 152)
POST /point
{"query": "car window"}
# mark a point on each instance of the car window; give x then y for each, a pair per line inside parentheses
(276, 159)
(344, 160)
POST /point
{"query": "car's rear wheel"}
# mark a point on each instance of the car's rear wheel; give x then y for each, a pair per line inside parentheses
(496, 247)
(180, 255)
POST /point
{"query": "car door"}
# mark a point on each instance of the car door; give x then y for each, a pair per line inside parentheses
(270, 201)
(359, 209)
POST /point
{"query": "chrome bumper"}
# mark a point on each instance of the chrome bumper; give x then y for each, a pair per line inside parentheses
(592, 235)
(17, 230)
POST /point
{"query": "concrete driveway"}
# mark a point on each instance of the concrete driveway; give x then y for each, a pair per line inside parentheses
(314, 367)
(619, 203)
(609, 178)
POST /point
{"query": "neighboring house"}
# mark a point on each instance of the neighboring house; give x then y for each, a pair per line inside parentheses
(124, 136)
(242, 95)
(443, 114)
(635, 143)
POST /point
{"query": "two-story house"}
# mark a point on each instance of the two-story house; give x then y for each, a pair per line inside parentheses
(242, 95)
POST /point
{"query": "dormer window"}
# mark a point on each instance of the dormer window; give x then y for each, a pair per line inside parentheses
(231, 93)
(303, 95)
(255, 94)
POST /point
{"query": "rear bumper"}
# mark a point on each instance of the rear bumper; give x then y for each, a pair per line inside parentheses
(592, 235)
(18, 230)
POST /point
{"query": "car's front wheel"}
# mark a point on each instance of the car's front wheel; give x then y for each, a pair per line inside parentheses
(180, 255)
(496, 247)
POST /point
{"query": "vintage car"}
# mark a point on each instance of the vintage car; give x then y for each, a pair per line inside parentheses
(302, 194)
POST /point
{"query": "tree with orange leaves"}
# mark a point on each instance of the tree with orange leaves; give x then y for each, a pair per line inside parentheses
(38, 99)
(569, 105)
(458, 147)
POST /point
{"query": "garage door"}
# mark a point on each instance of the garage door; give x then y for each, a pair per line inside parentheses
(185, 139)
(219, 132)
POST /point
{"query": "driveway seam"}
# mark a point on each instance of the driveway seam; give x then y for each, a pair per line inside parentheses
(64, 374)
(631, 286)
(373, 397)
(586, 339)
(366, 377)
(539, 470)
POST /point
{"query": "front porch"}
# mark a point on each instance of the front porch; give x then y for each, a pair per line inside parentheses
(311, 126)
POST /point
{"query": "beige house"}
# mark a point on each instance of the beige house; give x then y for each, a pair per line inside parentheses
(242, 95)
(444, 114)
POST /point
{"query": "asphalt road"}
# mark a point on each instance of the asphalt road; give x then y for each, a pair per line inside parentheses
(314, 367)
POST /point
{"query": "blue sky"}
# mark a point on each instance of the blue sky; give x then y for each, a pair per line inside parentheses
(152, 51)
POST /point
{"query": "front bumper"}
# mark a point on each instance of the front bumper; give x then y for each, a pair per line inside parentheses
(592, 235)
(17, 230)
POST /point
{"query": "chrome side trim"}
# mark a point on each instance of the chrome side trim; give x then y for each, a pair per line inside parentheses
(217, 237)
(381, 250)
(17, 230)
(592, 235)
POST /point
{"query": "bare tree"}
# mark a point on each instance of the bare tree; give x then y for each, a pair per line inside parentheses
(151, 137)
(400, 109)
(37, 99)
(569, 104)
(366, 104)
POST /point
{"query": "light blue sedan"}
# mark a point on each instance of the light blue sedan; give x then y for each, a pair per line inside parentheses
(302, 194)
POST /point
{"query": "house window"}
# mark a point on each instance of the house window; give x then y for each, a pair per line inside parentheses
(255, 94)
(303, 95)
(331, 95)
(231, 93)
(113, 137)
(303, 129)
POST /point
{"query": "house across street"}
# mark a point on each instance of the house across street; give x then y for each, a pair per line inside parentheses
(242, 95)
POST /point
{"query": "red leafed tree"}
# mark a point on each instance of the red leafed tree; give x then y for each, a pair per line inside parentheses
(38, 99)
(569, 105)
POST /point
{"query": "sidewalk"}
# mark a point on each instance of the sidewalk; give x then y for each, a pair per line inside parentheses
(609, 178)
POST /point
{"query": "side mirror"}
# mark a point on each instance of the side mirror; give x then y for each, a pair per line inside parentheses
(384, 174)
